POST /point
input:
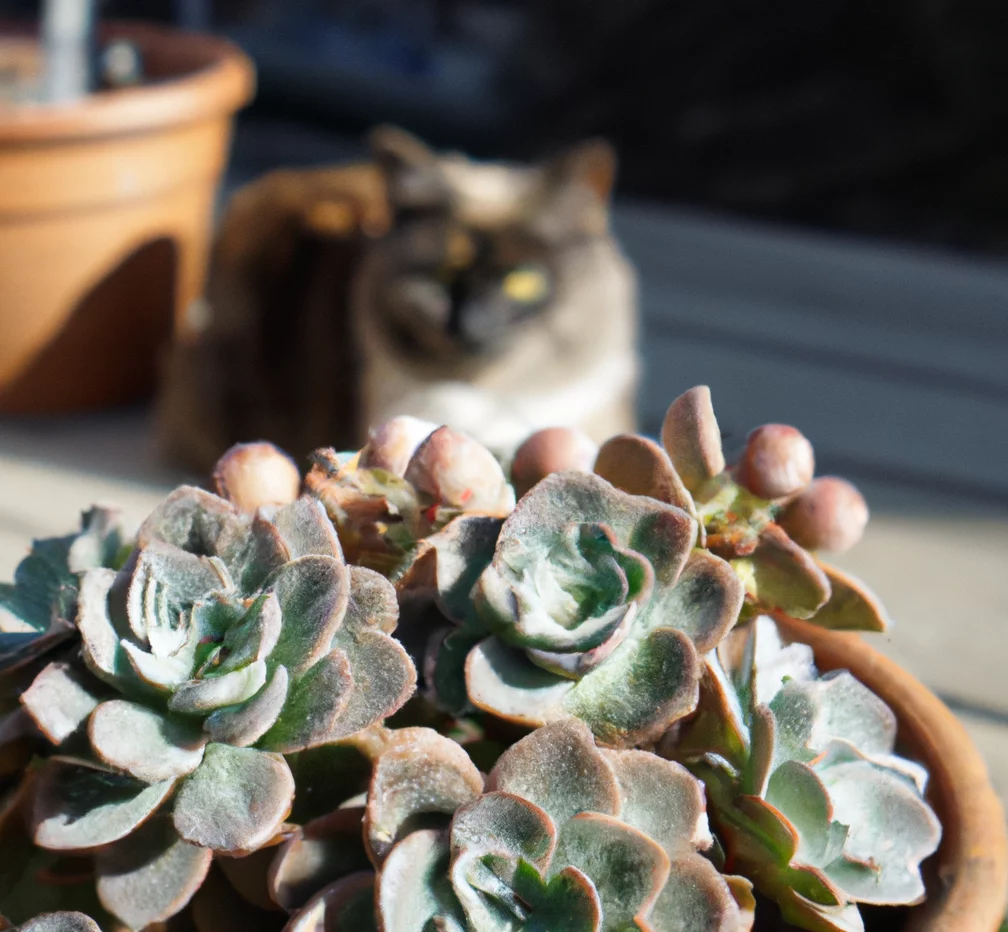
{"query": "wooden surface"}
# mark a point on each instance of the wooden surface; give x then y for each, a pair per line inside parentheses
(891, 362)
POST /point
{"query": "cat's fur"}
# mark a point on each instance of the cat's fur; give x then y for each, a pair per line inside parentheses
(497, 302)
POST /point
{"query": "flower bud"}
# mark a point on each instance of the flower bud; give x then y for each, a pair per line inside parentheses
(391, 445)
(254, 474)
(553, 449)
(778, 462)
(452, 469)
(830, 514)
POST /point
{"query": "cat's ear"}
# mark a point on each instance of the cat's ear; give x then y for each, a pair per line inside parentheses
(395, 149)
(591, 164)
(410, 168)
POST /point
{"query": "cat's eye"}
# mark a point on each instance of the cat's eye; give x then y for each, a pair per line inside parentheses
(526, 285)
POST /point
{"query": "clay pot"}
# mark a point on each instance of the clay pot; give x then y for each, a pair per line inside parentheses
(106, 206)
(968, 886)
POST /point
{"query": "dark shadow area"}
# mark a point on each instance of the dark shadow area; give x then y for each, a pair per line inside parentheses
(887, 119)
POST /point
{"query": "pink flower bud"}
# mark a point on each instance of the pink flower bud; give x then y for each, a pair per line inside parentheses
(830, 514)
(254, 474)
(778, 462)
(391, 445)
(553, 449)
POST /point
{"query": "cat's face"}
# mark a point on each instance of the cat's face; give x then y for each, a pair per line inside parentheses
(475, 250)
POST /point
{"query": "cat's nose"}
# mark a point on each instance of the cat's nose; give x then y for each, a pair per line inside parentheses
(480, 324)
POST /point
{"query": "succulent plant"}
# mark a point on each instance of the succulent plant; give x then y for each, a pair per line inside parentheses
(764, 538)
(37, 612)
(409, 481)
(563, 836)
(811, 801)
(218, 708)
(595, 604)
(225, 641)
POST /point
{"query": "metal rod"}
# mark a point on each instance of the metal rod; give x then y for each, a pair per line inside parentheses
(67, 30)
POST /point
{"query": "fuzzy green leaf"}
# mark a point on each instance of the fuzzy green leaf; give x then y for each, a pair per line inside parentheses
(890, 827)
(184, 577)
(450, 562)
(79, 807)
(306, 529)
(383, 677)
(413, 888)
(59, 701)
(315, 702)
(801, 797)
(426, 774)
(151, 875)
(661, 799)
(695, 898)
(161, 674)
(199, 697)
(60, 922)
(447, 653)
(505, 825)
(559, 769)
(313, 593)
(850, 711)
(501, 680)
(779, 575)
(852, 606)
(568, 902)
(768, 664)
(642, 689)
(372, 602)
(99, 639)
(244, 724)
(704, 603)
(254, 637)
(44, 591)
(627, 868)
(235, 800)
(191, 519)
(143, 743)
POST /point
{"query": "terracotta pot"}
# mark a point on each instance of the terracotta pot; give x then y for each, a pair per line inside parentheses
(968, 886)
(106, 208)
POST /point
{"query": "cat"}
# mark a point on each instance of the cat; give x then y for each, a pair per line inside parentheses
(487, 296)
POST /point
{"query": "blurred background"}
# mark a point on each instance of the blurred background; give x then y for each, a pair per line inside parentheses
(815, 197)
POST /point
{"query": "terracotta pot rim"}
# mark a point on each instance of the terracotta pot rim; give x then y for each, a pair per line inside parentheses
(215, 78)
(973, 857)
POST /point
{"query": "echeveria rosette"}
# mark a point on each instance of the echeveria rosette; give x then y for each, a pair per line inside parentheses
(231, 639)
(38, 609)
(410, 481)
(563, 836)
(595, 605)
(811, 801)
(688, 470)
